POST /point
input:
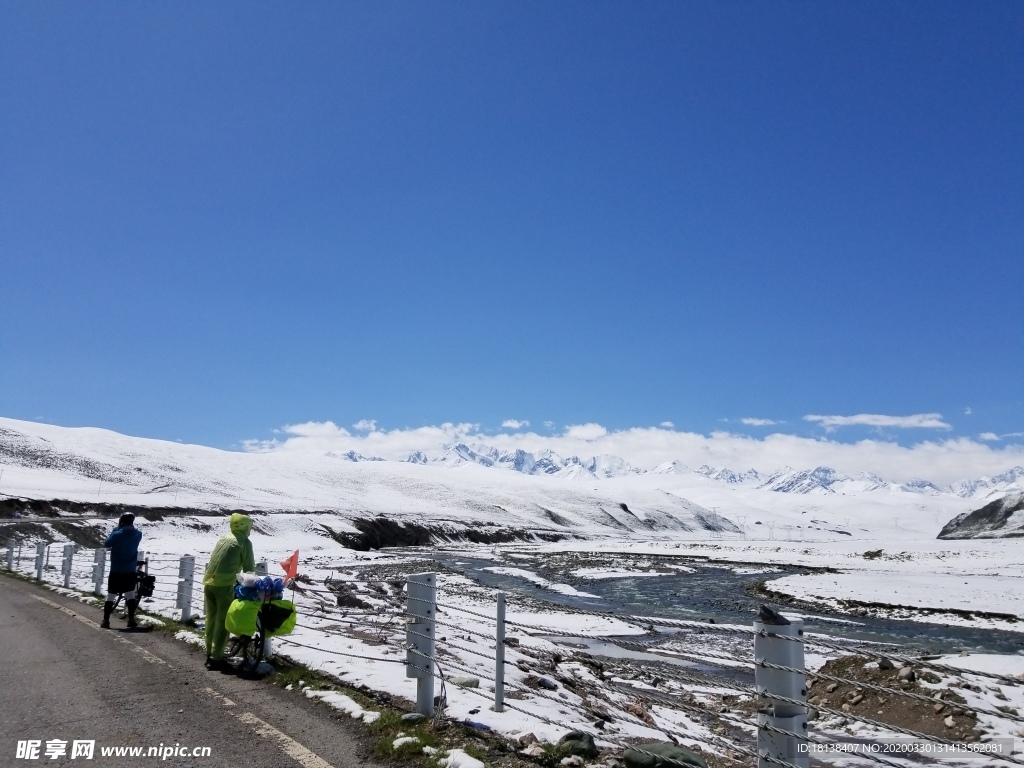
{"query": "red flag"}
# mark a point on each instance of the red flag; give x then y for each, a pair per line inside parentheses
(291, 565)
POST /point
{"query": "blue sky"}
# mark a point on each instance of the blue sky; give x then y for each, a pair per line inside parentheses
(220, 219)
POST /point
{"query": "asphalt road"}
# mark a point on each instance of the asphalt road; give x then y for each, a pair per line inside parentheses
(63, 679)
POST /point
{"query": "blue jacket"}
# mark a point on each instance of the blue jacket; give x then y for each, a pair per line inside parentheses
(123, 544)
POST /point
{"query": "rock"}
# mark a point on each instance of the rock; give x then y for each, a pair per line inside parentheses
(547, 684)
(847, 708)
(573, 761)
(661, 756)
(965, 652)
(534, 750)
(465, 682)
(906, 675)
(577, 743)
(413, 717)
(857, 699)
(512, 642)
(949, 721)
(526, 739)
(938, 708)
(885, 664)
(814, 700)
(831, 687)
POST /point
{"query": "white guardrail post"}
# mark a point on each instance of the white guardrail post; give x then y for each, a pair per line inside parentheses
(420, 624)
(791, 685)
(186, 572)
(65, 564)
(99, 565)
(499, 657)
(40, 559)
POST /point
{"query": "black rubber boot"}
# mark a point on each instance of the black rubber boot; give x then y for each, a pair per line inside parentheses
(132, 605)
(108, 608)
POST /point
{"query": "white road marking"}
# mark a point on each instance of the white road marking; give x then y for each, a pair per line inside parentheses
(288, 745)
(217, 695)
(150, 657)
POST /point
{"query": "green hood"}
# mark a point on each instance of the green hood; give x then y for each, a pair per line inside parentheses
(241, 524)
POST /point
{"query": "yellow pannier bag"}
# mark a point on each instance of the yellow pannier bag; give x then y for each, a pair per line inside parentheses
(241, 618)
(285, 623)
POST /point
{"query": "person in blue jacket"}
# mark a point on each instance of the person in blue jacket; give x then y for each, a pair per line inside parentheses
(123, 544)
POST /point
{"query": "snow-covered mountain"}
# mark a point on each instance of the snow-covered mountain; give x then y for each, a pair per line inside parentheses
(352, 456)
(728, 476)
(1011, 481)
(1002, 518)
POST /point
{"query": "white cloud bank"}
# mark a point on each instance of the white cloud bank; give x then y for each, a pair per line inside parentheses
(916, 421)
(941, 462)
(514, 424)
(759, 422)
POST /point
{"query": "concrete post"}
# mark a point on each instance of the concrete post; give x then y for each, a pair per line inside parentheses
(499, 657)
(186, 572)
(790, 685)
(40, 559)
(65, 565)
(419, 657)
(99, 565)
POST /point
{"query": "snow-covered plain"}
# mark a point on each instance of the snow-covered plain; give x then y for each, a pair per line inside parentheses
(879, 541)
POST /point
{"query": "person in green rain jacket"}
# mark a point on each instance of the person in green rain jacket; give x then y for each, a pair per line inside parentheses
(231, 556)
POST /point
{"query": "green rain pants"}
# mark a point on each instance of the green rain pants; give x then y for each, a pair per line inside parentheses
(217, 600)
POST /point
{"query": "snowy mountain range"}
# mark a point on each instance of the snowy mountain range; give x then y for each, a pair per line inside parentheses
(473, 485)
(817, 481)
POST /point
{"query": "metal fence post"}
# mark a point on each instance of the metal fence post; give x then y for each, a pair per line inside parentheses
(99, 565)
(65, 565)
(40, 559)
(10, 555)
(499, 657)
(769, 683)
(419, 656)
(186, 572)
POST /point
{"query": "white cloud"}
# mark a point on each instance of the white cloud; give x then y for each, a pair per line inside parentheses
(968, 411)
(585, 432)
(993, 437)
(667, 425)
(365, 425)
(942, 462)
(916, 421)
(514, 424)
(759, 422)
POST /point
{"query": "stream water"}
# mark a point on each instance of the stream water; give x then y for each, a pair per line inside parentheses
(720, 593)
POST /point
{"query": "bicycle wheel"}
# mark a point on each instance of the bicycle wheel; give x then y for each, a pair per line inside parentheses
(253, 654)
(237, 646)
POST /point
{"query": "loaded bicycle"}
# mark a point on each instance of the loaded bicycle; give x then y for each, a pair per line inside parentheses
(258, 613)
